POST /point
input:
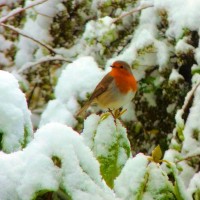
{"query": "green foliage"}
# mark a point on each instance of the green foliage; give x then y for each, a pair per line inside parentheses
(26, 139)
(196, 195)
(111, 149)
(162, 189)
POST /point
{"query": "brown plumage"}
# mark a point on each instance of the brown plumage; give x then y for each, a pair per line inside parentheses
(116, 89)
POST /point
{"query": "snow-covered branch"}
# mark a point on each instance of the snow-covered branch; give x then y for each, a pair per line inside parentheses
(19, 31)
(19, 10)
(42, 60)
(187, 104)
(131, 12)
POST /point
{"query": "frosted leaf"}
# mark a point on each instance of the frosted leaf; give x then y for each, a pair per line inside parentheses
(109, 143)
(26, 173)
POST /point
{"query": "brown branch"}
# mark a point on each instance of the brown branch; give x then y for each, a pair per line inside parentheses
(187, 158)
(131, 12)
(50, 49)
(19, 10)
(42, 60)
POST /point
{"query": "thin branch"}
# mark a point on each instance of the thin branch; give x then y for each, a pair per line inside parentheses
(19, 10)
(131, 12)
(42, 60)
(187, 158)
(27, 36)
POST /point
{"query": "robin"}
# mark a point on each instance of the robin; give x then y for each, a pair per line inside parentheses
(116, 89)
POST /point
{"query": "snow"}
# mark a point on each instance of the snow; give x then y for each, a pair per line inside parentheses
(106, 31)
(180, 15)
(76, 81)
(194, 184)
(8, 2)
(33, 170)
(187, 173)
(175, 76)
(112, 149)
(36, 28)
(128, 184)
(182, 47)
(14, 114)
(4, 60)
(5, 44)
(197, 55)
(89, 131)
(56, 111)
(102, 143)
(26, 172)
(192, 144)
(158, 186)
(162, 54)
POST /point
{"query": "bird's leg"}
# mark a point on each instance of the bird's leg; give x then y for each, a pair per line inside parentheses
(122, 112)
(116, 114)
(110, 111)
(113, 115)
(119, 112)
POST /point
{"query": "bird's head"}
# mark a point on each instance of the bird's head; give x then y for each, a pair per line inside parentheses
(121, 67)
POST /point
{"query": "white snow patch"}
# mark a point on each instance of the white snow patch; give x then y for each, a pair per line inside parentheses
(132, 175)
(175, 76)
(76, 80)
(57, 111)
(14, 114)
(27, 172)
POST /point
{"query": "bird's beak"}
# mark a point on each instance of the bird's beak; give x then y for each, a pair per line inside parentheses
(111, 66)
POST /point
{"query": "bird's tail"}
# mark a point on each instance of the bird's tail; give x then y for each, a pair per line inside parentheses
(81, 112)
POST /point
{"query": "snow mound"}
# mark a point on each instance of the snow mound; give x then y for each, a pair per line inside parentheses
(15, 123)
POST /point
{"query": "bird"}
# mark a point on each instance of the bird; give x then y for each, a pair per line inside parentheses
(116, 89)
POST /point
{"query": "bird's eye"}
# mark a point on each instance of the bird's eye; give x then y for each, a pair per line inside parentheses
(121, 67)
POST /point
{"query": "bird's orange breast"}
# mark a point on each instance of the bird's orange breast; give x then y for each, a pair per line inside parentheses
(124, 81)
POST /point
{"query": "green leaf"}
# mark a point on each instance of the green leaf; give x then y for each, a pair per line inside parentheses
(157, 154)
(108, 140)
(158, 186)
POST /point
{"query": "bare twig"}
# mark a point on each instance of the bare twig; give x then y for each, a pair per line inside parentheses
(131, 12)
(19, 10)
(187, 158)
(42, 60)
(27, 36)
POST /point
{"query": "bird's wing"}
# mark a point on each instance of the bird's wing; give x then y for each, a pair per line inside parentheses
(102, 86)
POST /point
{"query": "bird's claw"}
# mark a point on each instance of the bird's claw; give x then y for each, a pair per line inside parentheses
(117, 113)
